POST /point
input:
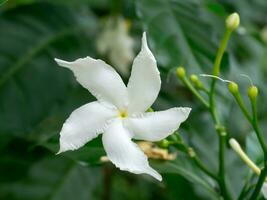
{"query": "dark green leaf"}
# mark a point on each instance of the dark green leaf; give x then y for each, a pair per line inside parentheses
(54, 179)
(187, 37)
(32, 86)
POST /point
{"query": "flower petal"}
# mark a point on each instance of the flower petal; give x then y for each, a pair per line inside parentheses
(84, 124)
(100, 79)
(124, 153)
(144, 83)
(155, 126)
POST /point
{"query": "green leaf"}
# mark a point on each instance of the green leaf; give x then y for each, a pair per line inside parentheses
(54, 179)
(2, 2)
(185, 169)
(187, 36)
(32, 86)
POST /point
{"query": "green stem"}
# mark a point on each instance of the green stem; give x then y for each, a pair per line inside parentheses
(257, 129)
(263, 146)
(246, 188)
(242, 106)
(254, 122)
(259, 184)
(221, 173)
(221, 50)
(192, 154)
(219, 129)
(195, 92)
(202, 167)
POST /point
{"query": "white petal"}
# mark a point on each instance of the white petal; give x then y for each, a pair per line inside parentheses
(155, 126)
(84, 124)
(100, 79)
(124, 153)
(144, 83)
(264, 190)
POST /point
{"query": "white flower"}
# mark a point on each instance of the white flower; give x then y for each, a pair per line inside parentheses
(120, 112)
(116, 43)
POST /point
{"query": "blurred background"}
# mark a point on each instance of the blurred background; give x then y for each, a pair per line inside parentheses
(36, 95)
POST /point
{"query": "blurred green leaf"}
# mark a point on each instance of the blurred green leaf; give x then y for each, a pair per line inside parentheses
(2, 2)
(32, 86)
(185, 169)
(55, 179)
(187, 36)
(253, 148)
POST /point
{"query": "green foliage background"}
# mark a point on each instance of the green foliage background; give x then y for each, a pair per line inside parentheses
(36, 95)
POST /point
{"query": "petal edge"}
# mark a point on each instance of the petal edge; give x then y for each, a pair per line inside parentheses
(81, 127)
(100, 79)
(124, 153)
(155, 126)
(144, 83)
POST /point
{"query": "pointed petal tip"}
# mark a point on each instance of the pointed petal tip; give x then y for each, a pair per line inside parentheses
(158, 177)
(186, 111)
(144, 41)
(154, 174)
(57, 60)
(59, 152)
(62, 63)
(144, 35)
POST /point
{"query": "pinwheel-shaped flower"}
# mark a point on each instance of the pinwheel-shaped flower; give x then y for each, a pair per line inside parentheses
(120, 112)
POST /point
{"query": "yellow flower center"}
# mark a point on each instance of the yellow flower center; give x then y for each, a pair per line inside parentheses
(123, 114)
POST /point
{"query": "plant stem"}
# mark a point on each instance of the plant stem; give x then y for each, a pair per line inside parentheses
(192, 154)
(221, 173)
(107, 173)
(242, 106)
(202, 167)
(263, 146)
(246, 188)
(219, 128)
(221, 50)
(257, 129)
(195, 92)
(260, 182)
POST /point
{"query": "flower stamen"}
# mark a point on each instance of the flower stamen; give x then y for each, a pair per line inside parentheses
(123, 114)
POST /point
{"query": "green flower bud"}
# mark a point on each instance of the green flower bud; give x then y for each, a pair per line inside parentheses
(191, 152)
(194, 78)
(197, 83)
(164, 143)
(252, 92)
(180, 71)
(150, 110)
(233, 87)
(232, 21)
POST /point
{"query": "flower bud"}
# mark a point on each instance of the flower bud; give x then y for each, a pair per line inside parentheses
(180, 71)
(233, 87)
(150, 110)
(232, 21)
(194, 78)
(235, 145)
(197, 83)
(164, 143)
(191, 152)
(252, 92)
(237, 148)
